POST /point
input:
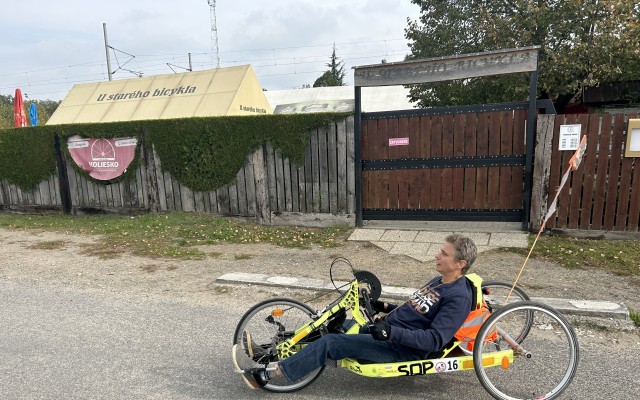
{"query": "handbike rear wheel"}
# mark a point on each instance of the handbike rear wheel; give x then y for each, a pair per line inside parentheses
(270, 323)
(543, 365)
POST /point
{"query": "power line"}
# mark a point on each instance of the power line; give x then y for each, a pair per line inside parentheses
(279, 63)
(314, 45)
(164, 56)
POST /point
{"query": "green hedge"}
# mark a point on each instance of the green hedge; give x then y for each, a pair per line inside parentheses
(27, 155)
(201, 153)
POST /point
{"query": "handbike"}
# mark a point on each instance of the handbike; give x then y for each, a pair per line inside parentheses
(523, 350)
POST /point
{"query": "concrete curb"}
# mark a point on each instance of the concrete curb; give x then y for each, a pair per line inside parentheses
(600, 309)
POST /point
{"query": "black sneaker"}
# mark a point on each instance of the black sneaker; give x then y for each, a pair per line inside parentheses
(260, 375)
(251, 348)
(252, 372)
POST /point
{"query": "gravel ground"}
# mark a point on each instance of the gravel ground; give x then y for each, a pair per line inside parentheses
(23, 258)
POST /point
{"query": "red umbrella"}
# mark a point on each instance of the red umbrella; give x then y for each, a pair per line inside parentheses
(19, 116)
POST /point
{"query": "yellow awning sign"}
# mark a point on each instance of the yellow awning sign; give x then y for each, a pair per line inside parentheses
(214, 92)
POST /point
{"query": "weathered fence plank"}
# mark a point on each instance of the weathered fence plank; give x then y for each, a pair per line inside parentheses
(271, 176)
(341, 164)
(541, 170)
(250, 186)
(281, 204)
(263, 210)
(155, 169)
(222, 196)
(242, 192)
(315, 171)
(614, 171)
(332, 169)
(323, 169)
(351, 178)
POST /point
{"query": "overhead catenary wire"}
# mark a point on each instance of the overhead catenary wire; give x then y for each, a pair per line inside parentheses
(279, 62)
(121, 66)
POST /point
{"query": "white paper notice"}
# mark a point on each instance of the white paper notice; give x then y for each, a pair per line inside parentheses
(635, 140)
(569, 137)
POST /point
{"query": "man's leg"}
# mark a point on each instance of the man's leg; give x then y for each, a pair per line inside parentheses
(336, 347)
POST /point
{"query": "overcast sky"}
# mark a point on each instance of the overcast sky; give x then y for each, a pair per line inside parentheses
(48, 46)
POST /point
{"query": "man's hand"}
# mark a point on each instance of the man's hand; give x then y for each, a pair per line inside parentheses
(378, 306)
(380, 330)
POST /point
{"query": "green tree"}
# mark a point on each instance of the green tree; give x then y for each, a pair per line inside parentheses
(334, 76)
(583, 43)
(45, 109)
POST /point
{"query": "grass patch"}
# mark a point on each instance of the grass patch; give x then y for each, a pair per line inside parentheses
(221, 289)
(621, 257)
(635, 317)
(48, 245)
(533, 286)
(243, 256)
(171, 235)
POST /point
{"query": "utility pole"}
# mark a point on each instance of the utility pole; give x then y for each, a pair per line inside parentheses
(106, 48)
(214, 32)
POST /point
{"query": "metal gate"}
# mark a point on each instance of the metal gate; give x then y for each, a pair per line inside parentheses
(454, 163)
(459, 163)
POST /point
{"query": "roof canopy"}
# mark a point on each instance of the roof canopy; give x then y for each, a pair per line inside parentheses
(214, 92)
(338, 99)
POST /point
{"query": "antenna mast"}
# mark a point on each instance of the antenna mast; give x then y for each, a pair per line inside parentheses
(215, 52)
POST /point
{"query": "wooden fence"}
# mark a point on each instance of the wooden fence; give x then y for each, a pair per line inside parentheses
(267, 187)
(604, 193)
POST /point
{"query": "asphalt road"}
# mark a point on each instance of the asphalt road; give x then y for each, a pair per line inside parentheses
(66, 343)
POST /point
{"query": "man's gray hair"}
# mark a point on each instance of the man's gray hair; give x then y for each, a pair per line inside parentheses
(465, 249)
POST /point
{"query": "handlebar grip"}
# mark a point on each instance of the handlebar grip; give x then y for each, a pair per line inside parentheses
(367, 305)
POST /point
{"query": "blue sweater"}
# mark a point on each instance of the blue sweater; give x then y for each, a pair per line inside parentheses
(431, 316)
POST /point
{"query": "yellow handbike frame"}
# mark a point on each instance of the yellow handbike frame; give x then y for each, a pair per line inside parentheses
(351, 301)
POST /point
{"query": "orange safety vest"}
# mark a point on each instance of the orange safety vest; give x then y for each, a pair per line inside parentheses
(469, 329)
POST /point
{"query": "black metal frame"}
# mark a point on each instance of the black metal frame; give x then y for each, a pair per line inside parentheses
(444, 214)
(544, 104)
(445, 162)
(451, 214)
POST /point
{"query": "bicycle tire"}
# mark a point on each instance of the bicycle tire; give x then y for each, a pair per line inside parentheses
(496, 300)
(267, 335)
(552, 344)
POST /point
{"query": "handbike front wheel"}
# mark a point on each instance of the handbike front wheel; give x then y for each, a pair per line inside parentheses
(543, 364)
(270, 323)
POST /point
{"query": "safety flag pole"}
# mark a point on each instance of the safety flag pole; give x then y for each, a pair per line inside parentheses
(573, 165)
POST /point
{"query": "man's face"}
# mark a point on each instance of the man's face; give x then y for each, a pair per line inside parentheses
(445, 260)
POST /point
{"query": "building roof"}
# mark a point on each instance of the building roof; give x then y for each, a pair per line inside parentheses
(214, 92)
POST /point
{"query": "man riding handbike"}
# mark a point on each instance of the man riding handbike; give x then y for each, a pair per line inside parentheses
(415, 330)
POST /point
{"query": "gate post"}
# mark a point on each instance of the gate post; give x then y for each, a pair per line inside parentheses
(357, 143)
(531, 140)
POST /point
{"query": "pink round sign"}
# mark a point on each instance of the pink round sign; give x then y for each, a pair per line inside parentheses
(104, 159)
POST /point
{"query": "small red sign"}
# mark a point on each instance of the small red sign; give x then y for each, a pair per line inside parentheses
(104, 159)
(401, 141)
